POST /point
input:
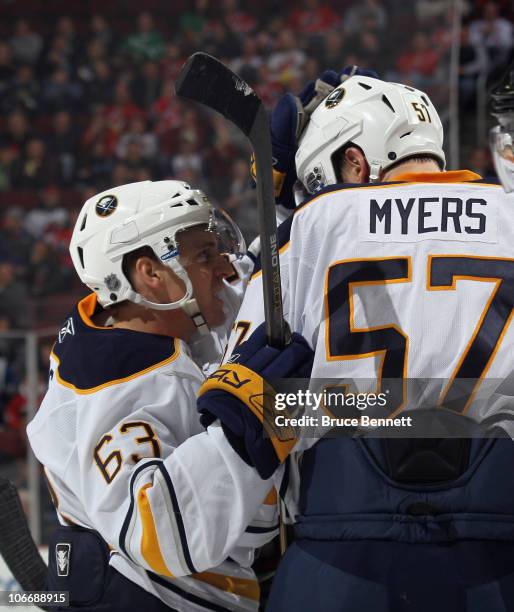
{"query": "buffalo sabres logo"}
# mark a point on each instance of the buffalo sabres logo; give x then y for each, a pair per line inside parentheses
(335, 97)
(66, 330)
(62, 558)
(106, 205)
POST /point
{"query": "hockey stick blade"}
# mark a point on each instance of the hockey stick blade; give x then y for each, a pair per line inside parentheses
(17, 547)
(206, 80)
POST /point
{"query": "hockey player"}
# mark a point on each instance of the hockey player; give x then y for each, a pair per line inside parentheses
(502, 135)
(399, 273)
(154, 517)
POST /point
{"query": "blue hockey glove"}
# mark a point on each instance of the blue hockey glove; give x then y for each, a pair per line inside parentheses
(238, 394)
(288, 120)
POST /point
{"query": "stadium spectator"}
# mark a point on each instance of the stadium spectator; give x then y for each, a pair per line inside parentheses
(418, 63)
(44, 275)
(313, 17)
(332, 50)
(26, 45)
(48, 213)
(147, 43)
(96, 51)
(147, 85)
(6, 65)
(250, 60)
(472, 63)
(135, 161)
(221, 41)
(34, 168)
(187, 161)
(7, 156)
(95, 166)
(61, 51)
(120, 112)
(166, 115)
(15, 241)
(137, 131)
(365, 15)
(287, 59)
(63, 142)
(195, 20)
(493, 33)
(13, 295)
(241, 22)
(17, 132)
(370, 51)
(172, 61)
(23, 91)
(101, 31)
(61, 92)
(99, 89)
(480, 162)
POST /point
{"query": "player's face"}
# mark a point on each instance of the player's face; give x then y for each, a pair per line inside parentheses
(206, 267)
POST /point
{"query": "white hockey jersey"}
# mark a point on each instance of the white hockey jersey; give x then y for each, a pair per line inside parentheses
(409, 281)
(124, 453)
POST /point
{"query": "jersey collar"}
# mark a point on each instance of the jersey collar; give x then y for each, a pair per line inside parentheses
(87, 307)
(451, 176)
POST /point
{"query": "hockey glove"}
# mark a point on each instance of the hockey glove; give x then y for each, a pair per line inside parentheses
(288, 120)
(238, 394)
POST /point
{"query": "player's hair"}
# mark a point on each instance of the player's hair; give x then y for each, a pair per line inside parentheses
(419, 159)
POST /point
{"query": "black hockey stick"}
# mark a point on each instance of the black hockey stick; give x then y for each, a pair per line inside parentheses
(206, 80)
(17, 547)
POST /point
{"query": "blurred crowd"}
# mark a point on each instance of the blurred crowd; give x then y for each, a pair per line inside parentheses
(87, 102)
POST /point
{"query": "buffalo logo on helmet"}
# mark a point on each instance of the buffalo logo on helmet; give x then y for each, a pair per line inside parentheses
(106, 205)
(335, 97)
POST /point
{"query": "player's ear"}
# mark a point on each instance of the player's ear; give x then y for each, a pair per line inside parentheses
(355, 168)
(147, 272)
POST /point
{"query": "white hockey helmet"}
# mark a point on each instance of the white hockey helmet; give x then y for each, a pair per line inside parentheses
(388, 121)
(123, 219)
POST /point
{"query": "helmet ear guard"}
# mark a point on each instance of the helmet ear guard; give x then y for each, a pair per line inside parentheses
(387, 121)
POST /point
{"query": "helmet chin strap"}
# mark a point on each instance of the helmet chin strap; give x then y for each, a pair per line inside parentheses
(187, 303)
(374, 172)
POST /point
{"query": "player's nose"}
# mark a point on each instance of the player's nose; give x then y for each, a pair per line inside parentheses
(223, 267)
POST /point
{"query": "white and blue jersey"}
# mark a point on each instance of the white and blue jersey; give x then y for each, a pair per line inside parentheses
(125, 455)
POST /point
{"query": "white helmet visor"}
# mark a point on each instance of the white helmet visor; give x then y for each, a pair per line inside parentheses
(220, 236)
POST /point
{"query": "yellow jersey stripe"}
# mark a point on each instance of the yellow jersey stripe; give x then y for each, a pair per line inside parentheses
(150, 548)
